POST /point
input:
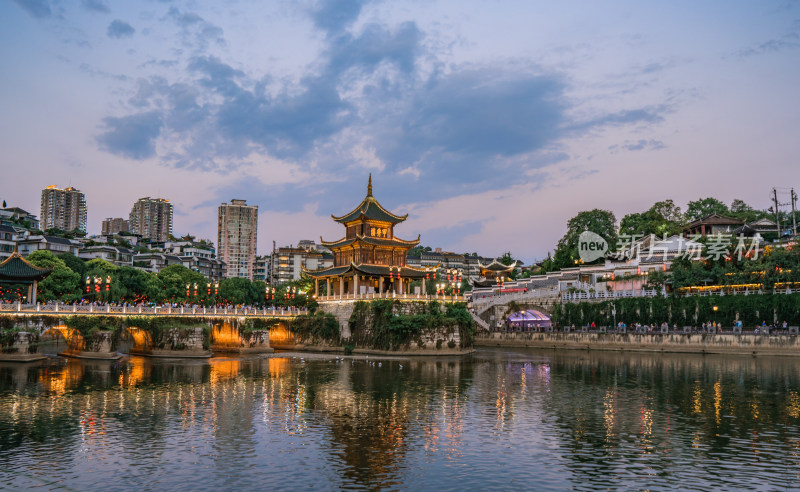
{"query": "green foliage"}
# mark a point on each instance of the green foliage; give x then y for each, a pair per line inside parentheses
(88, 325)
(160, 329)
(664, 218)
(77, 265)
(703, 207)
(62, 283)
(683, 311)
(379, 325)
(318, 325)
(601, 222)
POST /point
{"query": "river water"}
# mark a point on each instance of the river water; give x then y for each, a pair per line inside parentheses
(500, 419)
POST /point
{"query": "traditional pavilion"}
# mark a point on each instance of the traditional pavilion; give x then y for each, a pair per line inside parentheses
(495, 273)
(369, 259)
(17, 270)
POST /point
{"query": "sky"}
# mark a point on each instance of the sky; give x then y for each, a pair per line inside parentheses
(491, 123)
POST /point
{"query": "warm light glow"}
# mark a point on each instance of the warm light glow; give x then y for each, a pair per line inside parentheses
(280, 335)
(278, 366)
(141, 339)
(226, 334)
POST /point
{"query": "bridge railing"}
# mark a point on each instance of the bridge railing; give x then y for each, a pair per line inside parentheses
(391, 295)
(149, 310)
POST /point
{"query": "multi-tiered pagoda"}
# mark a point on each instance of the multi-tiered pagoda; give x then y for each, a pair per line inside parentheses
(369, 259)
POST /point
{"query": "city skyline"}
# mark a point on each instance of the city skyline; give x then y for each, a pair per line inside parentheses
(476, 135)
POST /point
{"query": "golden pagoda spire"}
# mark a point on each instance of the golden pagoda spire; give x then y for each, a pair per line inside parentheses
(369, 186)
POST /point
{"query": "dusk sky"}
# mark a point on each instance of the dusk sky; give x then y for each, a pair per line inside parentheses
(490, 123)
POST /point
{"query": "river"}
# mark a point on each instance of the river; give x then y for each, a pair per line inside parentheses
(499, 419)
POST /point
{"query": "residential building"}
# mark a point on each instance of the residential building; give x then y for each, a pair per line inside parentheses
(63, 209)
(711, 225)
(113, 226)
(262, 269)
(116, 255)
(16, 217)
(7, 241)
(56, 245)
(155, 262)
(151, 218)
(289, 263)
(211, 268)
(237, 231)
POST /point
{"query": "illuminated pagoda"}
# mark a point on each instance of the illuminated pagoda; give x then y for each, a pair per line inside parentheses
(495, 273)
(17, 270)
(369, 259)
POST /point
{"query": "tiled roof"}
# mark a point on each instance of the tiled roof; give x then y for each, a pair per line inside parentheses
(371, 209)
(17, 268)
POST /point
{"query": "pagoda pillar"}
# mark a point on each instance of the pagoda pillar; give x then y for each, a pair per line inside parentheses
(424, 290)
(355, 284)
(380, 285)
(35, 287)
(400, 282)
(341, 286)
(28, 297)
(316, 287)
(328, 287)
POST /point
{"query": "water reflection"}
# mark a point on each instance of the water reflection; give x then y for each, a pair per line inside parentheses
(502, 419)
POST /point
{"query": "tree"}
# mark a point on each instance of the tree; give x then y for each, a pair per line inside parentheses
(77, 265)
(601, 222)
(137, 286)
(743, 211)
(62, 284)
(175, 278)
(507, 259)
(703, 207)
(662, 219)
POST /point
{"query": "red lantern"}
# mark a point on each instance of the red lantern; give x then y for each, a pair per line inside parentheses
(97, 288)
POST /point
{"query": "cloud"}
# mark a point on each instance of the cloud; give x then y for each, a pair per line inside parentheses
(96, 6)
(375, 45)
(333, 16)
(367, 103)
(196, 32)
(120, 29)
(132, 136)
(37, 8)
(641, 144)
(788, 41)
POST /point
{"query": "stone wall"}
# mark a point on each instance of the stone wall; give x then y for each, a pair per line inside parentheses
(673, 342)
(444, 339)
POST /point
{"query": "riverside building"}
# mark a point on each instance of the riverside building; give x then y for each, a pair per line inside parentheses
(237, 231)
(63, 209)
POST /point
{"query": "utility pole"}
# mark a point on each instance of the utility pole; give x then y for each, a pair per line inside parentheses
(794, 213)
(777, 215)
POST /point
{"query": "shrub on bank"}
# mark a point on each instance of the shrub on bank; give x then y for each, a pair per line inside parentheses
(751, 310)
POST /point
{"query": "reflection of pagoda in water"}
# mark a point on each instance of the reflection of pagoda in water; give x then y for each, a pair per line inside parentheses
(369, 259)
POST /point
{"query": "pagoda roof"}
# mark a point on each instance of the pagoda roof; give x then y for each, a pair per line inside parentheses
(371, 209)
(15, 268)
(375, 241)
(496, 266)
(366, 269)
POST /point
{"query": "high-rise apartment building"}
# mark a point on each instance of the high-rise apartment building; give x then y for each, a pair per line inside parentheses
(236, 238)
(151, 218)
(63, 209)
(113, 226)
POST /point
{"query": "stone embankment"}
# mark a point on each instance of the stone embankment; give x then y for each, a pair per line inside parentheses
(750, 344)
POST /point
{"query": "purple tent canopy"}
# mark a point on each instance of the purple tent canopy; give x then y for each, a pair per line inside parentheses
(526, 320)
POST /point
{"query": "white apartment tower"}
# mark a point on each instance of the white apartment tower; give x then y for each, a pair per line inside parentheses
(63, 209)
(151, 218)
(236, 238)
